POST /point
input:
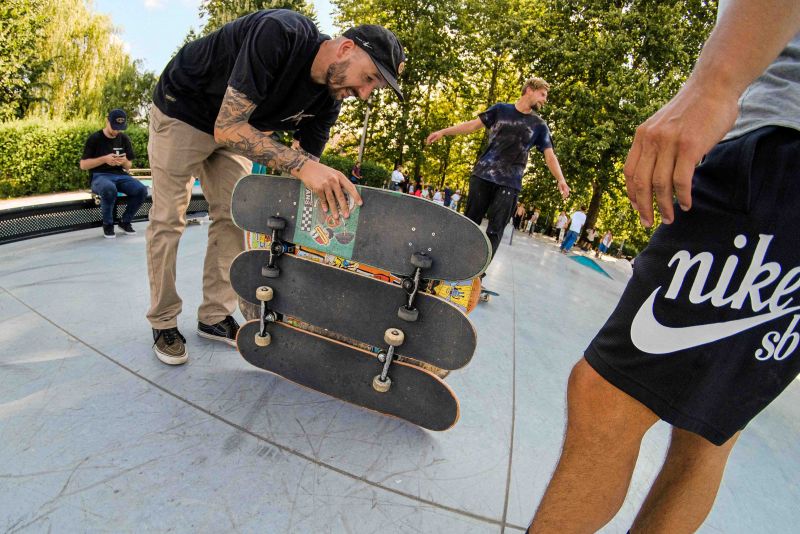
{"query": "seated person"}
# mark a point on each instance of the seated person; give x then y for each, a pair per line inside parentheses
(107, 156)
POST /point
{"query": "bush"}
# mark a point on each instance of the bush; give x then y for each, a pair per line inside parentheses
(372, 174)
(39, 157)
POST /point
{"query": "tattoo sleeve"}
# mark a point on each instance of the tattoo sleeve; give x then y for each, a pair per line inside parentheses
(309, 155)
(232, 129)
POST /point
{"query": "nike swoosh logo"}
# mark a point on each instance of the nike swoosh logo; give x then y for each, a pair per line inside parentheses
(648, 335)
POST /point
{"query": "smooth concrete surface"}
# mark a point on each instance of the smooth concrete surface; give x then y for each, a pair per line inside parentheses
(97, 435)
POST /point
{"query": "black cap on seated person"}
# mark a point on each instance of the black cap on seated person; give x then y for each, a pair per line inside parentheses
(385, 50)
(117, 119)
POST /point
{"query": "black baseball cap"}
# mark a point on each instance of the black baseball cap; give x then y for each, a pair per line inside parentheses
(385, 50)
(117, 119)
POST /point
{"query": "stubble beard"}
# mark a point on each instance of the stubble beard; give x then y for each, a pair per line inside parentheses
(335, 77)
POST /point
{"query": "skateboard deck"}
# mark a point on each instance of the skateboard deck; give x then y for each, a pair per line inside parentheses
(359, 307)
(384, 232)
(463, 294)
(347, 373)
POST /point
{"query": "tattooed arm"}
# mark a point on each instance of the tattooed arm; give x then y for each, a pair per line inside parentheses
(232, 129)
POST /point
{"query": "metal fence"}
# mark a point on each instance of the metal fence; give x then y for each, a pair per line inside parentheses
(26, 222)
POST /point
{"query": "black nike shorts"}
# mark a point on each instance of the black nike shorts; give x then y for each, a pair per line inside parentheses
(707, 332)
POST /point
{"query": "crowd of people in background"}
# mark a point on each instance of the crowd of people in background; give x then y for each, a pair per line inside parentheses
(526, 218)
(444, 196)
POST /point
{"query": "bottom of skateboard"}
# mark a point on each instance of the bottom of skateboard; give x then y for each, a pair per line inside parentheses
(347, 373)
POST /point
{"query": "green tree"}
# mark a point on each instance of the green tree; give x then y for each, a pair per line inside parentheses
(23, 65)
(67, 62)
(219, 12)
(433, 40)
(131, 90)
(612, 64)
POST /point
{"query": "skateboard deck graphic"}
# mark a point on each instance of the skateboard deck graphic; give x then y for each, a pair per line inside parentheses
(346, 372)
(463, 294)
(358, 306)
(459, 248)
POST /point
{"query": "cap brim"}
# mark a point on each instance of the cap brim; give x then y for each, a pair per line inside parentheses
(119, 128)
(390, 79)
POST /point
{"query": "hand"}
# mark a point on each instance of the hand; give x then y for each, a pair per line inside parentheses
(435, 136)
(668, 146)
(564, 189)
(330, 186)
(110, 159)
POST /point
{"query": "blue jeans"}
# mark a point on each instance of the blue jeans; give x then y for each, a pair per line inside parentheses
(107, 185)
(569, 240)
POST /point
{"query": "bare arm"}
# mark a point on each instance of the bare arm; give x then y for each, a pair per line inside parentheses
(462, 128)
(555, 169)
(233, 130)
(91, 163)
(667, 147)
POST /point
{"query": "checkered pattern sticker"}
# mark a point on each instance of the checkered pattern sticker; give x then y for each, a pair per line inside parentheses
(306, 219)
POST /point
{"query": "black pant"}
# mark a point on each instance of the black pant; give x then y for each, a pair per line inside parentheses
(494, 201)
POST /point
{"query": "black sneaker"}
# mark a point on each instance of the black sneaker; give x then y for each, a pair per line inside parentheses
(127, 228)
(170, 346)
(108, 231)
(224, 331)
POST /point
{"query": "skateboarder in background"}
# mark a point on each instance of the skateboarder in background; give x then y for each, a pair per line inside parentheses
(496, 178)
(215, 106)
(741, 202)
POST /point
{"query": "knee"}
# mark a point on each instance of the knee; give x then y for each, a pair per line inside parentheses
(595, 402)
(140, 192)
(108, 194)
(584, 382)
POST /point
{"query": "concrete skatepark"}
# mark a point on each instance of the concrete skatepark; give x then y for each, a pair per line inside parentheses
(98, 435)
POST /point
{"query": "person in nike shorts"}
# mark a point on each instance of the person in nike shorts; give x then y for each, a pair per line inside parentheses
(707, 332)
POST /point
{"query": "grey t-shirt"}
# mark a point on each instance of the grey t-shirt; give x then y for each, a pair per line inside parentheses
(773, 99)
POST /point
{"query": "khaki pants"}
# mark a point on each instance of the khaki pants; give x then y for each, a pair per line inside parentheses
(178, 154)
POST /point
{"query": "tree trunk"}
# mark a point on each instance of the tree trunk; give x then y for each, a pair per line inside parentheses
(594, 206)
(489, 102)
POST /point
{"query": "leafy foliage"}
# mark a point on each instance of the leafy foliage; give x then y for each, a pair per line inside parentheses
(23, 65)
(66, 62)
(41, 156)
(219, 12)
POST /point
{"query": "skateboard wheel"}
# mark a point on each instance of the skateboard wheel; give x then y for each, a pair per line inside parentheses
(276, 223)
(421, 261)
(381, 386)
(270, 272)
(394, 337)
(408, 315)
(264, 293)
(263, 341)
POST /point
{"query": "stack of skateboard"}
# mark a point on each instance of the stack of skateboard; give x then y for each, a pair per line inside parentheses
(358, 308)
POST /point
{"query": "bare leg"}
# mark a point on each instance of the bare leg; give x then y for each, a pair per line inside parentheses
(684, 492)
(604, 431)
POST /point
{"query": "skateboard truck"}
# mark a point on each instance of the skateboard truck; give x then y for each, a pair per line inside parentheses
(276, 247)
(394, 337)
(264, 294)
(420, 261)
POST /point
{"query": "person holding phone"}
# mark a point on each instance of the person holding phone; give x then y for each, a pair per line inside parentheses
(107, 156)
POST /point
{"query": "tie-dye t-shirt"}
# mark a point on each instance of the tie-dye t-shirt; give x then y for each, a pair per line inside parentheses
(512, 134)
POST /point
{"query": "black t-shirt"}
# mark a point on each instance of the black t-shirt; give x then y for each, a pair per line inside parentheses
(266, 55)
(512, 134)
(99, 145)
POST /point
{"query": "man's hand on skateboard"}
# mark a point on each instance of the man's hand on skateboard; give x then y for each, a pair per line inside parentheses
(330, 186)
